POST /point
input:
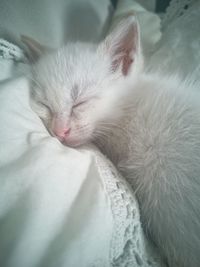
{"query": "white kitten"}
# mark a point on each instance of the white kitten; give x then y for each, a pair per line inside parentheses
(147, 124)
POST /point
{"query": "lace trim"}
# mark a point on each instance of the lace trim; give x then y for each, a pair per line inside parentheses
(10, 51)
(176, 9)
(128, 245)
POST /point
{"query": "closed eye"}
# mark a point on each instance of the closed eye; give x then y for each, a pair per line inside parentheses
(79, 104)
(45, 105)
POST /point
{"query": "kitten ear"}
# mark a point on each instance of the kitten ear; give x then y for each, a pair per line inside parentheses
(34, 49)
(123, 45)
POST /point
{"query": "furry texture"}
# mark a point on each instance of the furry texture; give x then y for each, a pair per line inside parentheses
(158, 150)
(147, 124)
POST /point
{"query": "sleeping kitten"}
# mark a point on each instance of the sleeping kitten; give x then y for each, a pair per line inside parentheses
(146, 123)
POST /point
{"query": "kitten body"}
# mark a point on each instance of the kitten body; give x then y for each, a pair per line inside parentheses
(147, 124)
(156, 146)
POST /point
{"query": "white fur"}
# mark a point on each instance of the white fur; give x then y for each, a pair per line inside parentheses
(158, 151)
(148, 124)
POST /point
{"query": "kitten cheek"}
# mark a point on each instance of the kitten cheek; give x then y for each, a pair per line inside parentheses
(39, 110)
(47, 124)
(45, 118)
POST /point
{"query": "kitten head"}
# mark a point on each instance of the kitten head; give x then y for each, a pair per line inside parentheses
(78, 89)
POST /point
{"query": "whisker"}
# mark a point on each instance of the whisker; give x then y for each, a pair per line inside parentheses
(111, 126)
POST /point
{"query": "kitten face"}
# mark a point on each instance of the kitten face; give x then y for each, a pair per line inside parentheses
(78, 89)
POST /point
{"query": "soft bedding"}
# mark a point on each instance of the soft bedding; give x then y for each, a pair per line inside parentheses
(62, 207)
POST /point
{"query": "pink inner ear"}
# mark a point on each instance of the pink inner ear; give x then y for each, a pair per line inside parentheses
(124, 44)
(127, 61)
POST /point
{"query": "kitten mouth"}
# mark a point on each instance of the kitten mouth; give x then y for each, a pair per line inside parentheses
(73, 143)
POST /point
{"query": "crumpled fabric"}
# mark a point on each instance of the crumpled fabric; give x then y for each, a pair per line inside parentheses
(59, 207)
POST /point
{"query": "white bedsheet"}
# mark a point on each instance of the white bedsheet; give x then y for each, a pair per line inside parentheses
(52, 199)
(59, 207)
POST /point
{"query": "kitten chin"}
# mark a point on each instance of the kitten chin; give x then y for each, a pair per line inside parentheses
(75, 143)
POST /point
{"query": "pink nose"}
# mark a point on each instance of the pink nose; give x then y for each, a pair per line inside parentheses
(61, 134)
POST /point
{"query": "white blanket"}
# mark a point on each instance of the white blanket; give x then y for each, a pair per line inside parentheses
(59, 207)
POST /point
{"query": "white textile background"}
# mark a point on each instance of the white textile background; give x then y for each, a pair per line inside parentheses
(59, 207)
